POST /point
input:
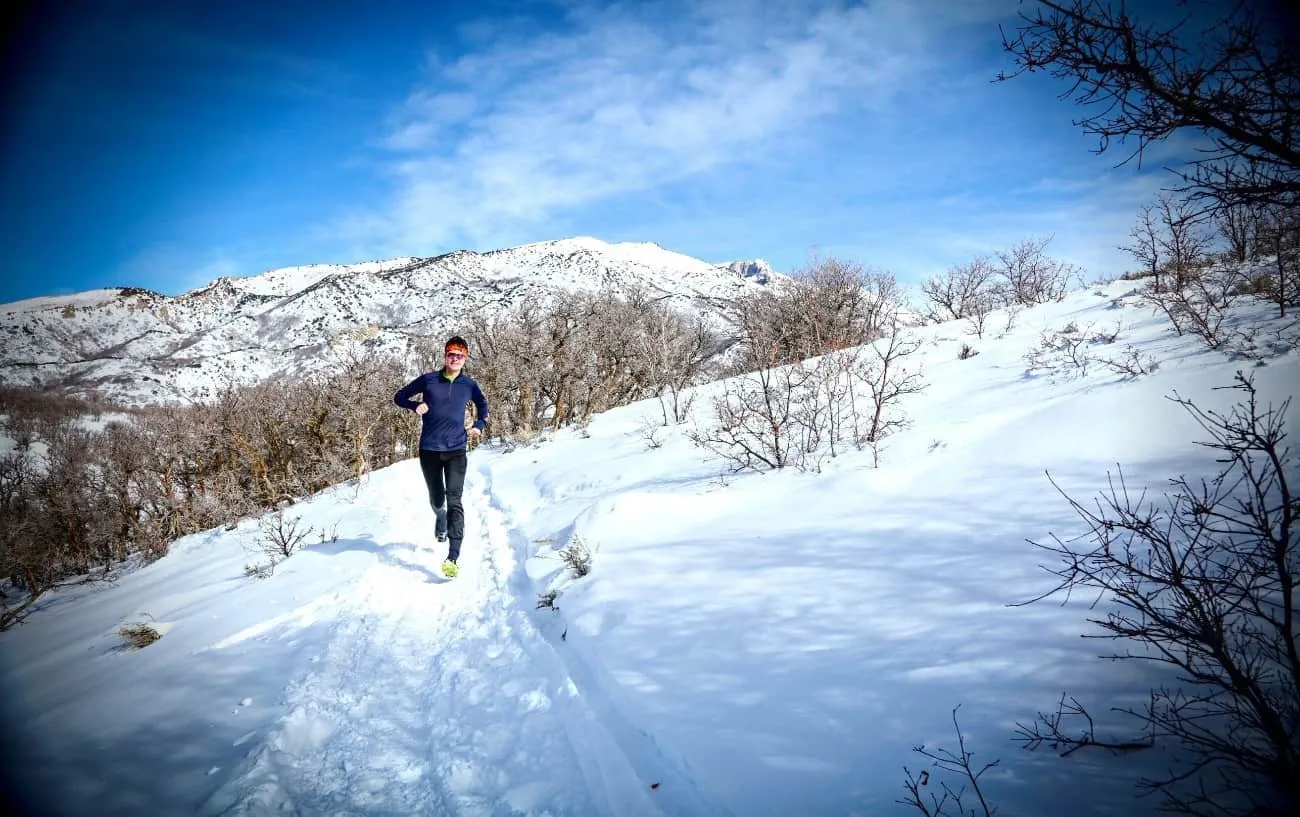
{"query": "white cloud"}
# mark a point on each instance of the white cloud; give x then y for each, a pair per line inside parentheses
(623, 99)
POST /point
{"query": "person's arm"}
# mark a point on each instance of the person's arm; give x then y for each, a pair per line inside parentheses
(481, 408)
(404, 394)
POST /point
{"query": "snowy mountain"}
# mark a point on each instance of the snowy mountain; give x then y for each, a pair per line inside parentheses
(140, 347)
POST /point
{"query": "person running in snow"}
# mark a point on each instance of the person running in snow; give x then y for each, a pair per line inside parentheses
(444, 440)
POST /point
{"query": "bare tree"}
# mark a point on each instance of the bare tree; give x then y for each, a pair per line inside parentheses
(1238, 226)
(1280, 237)
(980, 310)
(361, 424)
(888, 380)
(1032, 276)
(1206, 586)
(1184, 243)
(965, 290)
(1231, 76)
(754, 420)
(1147, 247)
(512, 364)
(1193, 293)
(830, 305)
(560, 362)
(829, 412)
(1202, 307)
(674, 350)
(282, 535)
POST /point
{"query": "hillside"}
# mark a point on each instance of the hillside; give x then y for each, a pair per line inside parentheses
(142, 347)
(758, 644)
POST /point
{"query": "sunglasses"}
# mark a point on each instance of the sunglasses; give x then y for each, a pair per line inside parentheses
(455, 355)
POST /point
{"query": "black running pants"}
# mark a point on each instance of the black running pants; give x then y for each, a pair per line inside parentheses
(444, 475)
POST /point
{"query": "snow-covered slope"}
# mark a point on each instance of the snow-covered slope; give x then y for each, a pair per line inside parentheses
(763, 645)
(140, 347)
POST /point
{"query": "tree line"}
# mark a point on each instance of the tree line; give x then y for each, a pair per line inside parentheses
(89, 487)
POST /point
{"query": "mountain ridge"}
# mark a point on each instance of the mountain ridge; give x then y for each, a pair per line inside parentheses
(139, 347)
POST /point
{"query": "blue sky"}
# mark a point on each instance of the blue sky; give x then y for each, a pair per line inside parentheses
(164, 144)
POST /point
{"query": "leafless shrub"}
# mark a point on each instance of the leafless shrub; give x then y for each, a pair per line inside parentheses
(282, 535)
(1202, 305)
(1206, 586)
(1146, 246)
(1106, 336)
(33, 414)
(827, 415)
(363, 436)
(1061, 353)
(138, 636)
(1022, 275)
(522, 438)
(546, 601)
(830, 305)
(980, 312)
(546, 365)
(964, 291)
(583, 424)
(1279, 234)
(676, 352)
(162, 472)
(577, 555)
(753, 420)
(650, 430)
(1238, 226)
(1185, 242)
(942, 799)
(799, 414)
(967, 352)
(1033, 277)
(1010, 313)
(889, 380)
(1132, 365)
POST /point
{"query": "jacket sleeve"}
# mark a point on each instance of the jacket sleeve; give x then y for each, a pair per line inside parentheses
(404, 394)
(481, 406)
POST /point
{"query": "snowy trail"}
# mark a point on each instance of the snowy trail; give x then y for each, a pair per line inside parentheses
(438, 697)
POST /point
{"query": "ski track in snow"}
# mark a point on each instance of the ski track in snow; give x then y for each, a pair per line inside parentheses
(406, 711)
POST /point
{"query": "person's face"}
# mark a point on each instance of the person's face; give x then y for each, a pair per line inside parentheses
(455, 360)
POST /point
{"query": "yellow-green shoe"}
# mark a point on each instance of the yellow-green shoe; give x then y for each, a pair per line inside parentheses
(449, 569)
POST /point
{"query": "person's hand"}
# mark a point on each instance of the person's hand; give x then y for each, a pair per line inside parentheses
(422, 409)
(476, 435)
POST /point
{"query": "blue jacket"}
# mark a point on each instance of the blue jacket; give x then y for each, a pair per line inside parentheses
(443, 425)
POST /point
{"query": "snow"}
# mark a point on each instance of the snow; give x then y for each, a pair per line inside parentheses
(93, 297)
(756, 644)
(288, 280)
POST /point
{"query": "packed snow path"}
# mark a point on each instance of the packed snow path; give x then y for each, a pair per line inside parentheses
(441, 697)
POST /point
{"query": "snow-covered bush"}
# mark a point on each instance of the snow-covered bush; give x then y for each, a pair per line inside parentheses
(577, 555)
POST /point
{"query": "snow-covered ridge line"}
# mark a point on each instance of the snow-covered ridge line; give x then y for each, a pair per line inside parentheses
(140, 347)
